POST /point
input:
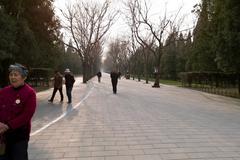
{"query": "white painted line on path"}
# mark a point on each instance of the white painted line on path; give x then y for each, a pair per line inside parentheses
(62, 116)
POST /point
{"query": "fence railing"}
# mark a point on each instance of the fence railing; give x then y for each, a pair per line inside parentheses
(40, 77)
(227, 84)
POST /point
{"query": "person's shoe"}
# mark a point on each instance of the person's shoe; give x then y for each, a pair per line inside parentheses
(50, 100)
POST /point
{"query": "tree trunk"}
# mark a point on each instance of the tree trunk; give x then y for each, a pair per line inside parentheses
(157, 78)
(145, 72)
(157, 72)
(4, 80)
(239, 83)
(84, 67)
(139, 77)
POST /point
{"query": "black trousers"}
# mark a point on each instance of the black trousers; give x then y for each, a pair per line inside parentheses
(54, 92)
(69, 94)
(114, 86)
(99, 79)
(16, 151)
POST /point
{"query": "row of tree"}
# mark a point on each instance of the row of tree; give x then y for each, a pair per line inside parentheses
(155, 47)
(213, 45)
(23, 38)
(216, 45)
(149, 41)
(30, 35)
(141, 63)
(88, 22)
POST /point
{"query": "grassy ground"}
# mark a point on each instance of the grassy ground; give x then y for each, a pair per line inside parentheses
(170, 82)
(229, 92)
(39, 89)
(167, 82)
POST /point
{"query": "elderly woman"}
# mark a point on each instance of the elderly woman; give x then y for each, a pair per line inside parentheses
(17, 106)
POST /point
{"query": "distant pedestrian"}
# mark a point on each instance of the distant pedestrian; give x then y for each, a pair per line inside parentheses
(69, 81)
(114, 79)
(99, 75)
(119, 75)
(17, 106)
(58, 82)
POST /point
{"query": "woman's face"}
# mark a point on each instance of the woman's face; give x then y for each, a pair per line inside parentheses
(16, 79)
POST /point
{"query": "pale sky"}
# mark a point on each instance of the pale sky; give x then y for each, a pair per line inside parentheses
(158, 7)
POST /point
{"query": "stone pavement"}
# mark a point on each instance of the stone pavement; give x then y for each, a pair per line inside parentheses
(139, 123)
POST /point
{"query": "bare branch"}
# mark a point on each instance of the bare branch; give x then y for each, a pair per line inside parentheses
(88, 23)
(141, 24)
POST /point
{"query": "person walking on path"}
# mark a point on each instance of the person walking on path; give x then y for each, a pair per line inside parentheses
(99, 75)
(17, 106)
(114, 79)
(69, 81)
(119, 75)
(58, 82)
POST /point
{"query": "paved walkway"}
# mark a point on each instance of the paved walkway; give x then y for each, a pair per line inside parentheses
(138, 123)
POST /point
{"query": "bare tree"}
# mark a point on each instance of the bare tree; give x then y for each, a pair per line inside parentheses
(118, 56)
(124, 56)
(142, 25)
(88, 23)
(132, 50)
(146, 54)
(96, 58)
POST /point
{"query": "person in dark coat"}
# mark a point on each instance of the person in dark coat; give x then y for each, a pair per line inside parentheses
(69, 81)
(58, 82)
(119, 75)
(114, 79)
(99, 75)
(17, 106)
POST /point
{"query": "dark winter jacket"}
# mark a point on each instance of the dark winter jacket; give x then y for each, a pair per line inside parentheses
(114, 77)
(69, 80)
(58, 80)
(99, 74)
